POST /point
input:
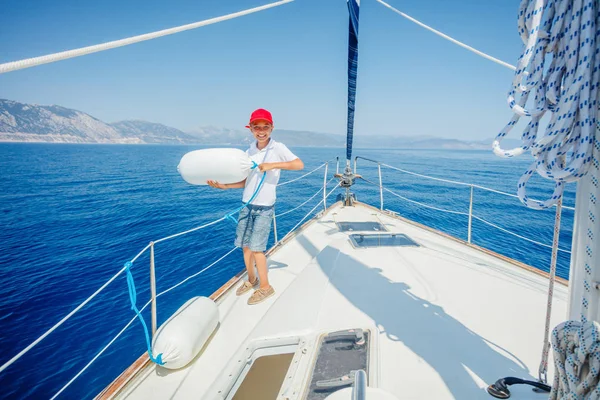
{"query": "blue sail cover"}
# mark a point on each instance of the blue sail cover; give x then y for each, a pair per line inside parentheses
(353, 9)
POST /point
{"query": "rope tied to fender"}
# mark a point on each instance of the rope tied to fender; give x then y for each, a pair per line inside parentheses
(131, 284)
(229, 216)
(133, 298)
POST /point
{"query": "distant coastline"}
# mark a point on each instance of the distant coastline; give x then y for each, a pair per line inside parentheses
(30, 123)
(237, 145)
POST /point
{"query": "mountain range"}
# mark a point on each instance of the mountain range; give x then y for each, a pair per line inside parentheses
(20, 122)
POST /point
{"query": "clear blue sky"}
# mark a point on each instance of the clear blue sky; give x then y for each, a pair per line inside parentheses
(290, 59)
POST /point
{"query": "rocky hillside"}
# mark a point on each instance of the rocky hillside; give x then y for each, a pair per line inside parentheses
(33, 123)
(21, 122)
(149, 132)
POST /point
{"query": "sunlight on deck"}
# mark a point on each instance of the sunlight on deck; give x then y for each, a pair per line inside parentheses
(447, 319)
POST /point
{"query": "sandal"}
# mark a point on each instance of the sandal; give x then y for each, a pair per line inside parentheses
(246, 286)
(260, 295)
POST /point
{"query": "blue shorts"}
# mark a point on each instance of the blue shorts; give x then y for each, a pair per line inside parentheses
(254, 226)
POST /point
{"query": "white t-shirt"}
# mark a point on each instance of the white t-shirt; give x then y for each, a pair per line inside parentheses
(273, 152)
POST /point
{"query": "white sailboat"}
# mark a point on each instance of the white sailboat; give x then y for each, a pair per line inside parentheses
(371, 305)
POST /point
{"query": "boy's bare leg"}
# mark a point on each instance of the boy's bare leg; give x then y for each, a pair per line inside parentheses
(261, 266)
(249, 261)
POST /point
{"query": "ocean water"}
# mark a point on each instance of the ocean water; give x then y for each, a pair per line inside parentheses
(71, 215)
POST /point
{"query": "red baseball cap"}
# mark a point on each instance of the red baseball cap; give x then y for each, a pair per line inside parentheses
(260, 113)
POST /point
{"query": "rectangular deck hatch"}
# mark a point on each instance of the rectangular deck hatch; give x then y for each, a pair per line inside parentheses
(259, 371)
(265, 377)
(340, 354)
(361, 226)
(359, 240)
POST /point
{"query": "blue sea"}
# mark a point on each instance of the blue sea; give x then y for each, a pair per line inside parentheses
(71, 215)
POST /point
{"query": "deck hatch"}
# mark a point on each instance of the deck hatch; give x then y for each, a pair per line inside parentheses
(265, 377)
(361, 226)
(381, 240)
(340, 354)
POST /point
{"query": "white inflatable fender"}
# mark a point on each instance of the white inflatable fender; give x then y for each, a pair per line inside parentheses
(225, 165)
(182, 336)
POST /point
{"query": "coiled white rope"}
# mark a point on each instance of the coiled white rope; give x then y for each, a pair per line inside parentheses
(32, 62)
(566, 33)
(576, 347)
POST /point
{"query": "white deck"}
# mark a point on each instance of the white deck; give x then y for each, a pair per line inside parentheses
(448, 319)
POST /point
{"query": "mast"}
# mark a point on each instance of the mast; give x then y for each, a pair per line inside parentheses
(347, 178)
(584, 275)
(353, 11)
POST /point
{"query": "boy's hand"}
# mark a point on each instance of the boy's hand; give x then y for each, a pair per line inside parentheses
(216, 184)
(264, 167)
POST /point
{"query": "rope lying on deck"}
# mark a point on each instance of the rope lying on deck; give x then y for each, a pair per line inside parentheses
(564, 33)
(568, 88)
(576, 347)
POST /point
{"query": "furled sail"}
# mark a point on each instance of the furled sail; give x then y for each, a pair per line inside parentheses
(353, 10)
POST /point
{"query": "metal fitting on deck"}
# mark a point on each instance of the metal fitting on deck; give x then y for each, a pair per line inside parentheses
(347, 178)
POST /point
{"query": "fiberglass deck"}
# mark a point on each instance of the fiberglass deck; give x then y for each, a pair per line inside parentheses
(447, 319)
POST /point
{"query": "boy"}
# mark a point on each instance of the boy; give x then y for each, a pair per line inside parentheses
(255, 220)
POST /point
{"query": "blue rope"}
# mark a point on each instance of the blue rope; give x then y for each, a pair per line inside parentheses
(230, 216)
(133, 297)
(131, 284)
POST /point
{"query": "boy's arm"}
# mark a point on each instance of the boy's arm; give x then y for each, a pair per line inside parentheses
(218, 185)
(293, 165)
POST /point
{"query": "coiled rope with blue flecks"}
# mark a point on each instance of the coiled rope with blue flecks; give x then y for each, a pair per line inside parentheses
(576, 348)
(565, 34)
(560, 64)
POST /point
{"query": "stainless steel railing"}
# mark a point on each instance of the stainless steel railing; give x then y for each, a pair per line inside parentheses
(153, 298)
(151, 247)
(469, 214)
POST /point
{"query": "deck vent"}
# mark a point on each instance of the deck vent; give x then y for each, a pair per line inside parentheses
(381, 240)
(370, 226)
